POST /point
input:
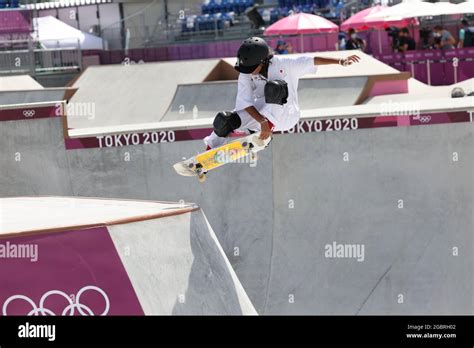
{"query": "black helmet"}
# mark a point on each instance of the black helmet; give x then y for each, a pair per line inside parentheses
(251, 53)
(457, 92)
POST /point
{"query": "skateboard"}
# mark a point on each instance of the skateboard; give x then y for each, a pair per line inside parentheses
(202, 163)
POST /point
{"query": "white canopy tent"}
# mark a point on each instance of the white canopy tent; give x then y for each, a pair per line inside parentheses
(52, 33)
(466, 7)
(438, 9)
(445, 8)
(404, 9)
(418, 8)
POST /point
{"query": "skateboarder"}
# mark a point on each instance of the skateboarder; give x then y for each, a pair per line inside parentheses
(267, 98)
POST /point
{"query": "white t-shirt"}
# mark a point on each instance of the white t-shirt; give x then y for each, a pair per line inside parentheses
(250, 90)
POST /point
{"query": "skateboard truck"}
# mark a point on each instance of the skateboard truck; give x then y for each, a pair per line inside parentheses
(197, 168)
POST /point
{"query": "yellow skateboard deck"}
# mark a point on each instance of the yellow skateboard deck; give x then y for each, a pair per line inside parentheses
(202, 163)
(219, 156)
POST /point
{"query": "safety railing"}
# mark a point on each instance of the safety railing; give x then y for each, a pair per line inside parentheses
(34, 59)
(434, 67)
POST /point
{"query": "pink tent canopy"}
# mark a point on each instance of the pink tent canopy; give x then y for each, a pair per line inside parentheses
(360, 22)
(301, 23)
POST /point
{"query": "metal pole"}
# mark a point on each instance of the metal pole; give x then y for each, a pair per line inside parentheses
(31, 49)
(455, 73)
(78, 22)
(122, 27)
(215, 27)
(166, 13)
(380, 41)
(98, 18)
(79, 53)
(428, 71)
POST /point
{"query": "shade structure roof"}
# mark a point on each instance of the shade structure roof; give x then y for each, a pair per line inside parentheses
(360, 20)
(301, 23)
(418, 8)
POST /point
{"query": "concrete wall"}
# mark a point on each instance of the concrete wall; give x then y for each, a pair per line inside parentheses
(275, 220)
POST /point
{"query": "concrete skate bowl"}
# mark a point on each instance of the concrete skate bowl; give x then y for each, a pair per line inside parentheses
(36, 96)
(208, 98)
(139, 93)
(403, 193)
(18, 83)
(320, 93)
(117, 257)
(313, 93)
(169, 91)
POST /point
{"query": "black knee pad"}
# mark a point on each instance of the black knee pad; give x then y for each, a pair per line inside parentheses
(226, 122)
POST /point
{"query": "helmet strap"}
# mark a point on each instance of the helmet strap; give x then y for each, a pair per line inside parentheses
(265, 64)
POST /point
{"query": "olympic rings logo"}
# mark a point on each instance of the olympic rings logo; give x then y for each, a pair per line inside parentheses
(74, 303)
(29, 113)
(423, 119)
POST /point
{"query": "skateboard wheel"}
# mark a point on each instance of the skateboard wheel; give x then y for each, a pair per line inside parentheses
(245, 144)
(198, 165)
(191, 165)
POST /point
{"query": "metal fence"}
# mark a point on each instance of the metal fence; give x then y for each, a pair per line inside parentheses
(161, 35)
(34, 60)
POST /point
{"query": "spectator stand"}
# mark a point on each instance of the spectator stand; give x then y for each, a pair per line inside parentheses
(215, 17)
(15, 24)
(22, 51)
(15, 38)
(218, 17)
(226, 6)
(330, 9)
(9, 4)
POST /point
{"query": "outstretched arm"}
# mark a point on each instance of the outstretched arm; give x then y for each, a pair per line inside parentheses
(343, 61)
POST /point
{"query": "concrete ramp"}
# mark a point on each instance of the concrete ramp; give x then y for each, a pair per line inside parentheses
(404, 194)
(320, 93)
(395, 192)
(117, 257)
(131, 94)
(169, 91)
(420, 91)
(31, 96)
(209, 98)
(18, 83)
